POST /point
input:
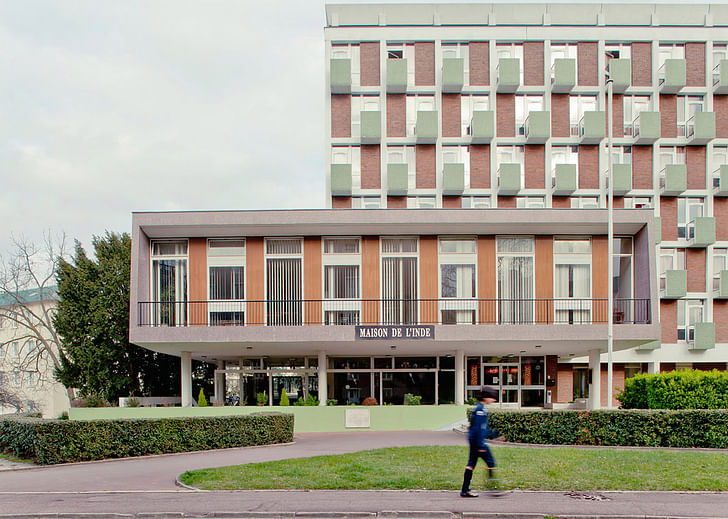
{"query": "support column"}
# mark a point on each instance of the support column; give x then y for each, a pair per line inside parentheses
(595, 388)
(220, 384)
(460, 377)
(323, 392)
(186, 377)
(653, 368)
(241, 378)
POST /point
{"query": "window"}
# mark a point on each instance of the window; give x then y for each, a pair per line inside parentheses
(670, 155)
(563, 51)
(515, 280)
(719, 158)
(284, 282)
(417, 103)
(421, 202)
(458, 50)
(564, 155)
(32, 378)
(687, 107)
(720, 263)
(584, 202)
(618, 50)
(510, 50)
(226, 274)
(348, 51)
(359, 104)
(349, 155)
(524, 106)
(458, 258)
(670, 259)
(623, 283)
(510, 155)
(366, 202)
(638, 202)
(468, 105)
(669, 51)
(720, 53)
(622, 154)
(404, 155)
(579, 104)
(399, 50)
(689, 312)
(475, 202)
(687, 210)
(399, 281)
(458, 155)
(572, 280)
(169, 283)
(530, 202)
(341, 263)
(631, 108)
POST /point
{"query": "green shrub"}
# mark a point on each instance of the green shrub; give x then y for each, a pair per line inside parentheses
(688, 389)
(261, 398)
(201, 400)
(310, 401)
(96, 401)
(652, 428)
(410, 399)
(332, 401)
(133, 402)
(284, 398)
(60, 441)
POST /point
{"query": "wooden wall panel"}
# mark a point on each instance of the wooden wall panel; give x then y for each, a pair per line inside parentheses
(370, 279)
(312, 279)
(600, 283)
(544, 278)
(255, 281)
(486, 280)
(198, 280)
(428, 280)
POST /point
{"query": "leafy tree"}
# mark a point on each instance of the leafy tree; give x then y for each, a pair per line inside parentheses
(201, 400)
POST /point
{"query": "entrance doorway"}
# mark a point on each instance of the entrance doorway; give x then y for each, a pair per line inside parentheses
(504, 378)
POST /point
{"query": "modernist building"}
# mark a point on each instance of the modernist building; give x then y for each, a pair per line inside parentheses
(491, 121)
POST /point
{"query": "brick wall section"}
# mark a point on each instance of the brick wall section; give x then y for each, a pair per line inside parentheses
(695, 264)
(720, 211)
(396, 115)
(397, 202)
(340, 115)
(560, 124)
(452, 202)
(480, 166)
(618, 118)
(588, 167)
(534, 167)
(561, 202)
(341, 202)
(552, 372)
(668, 218)
(695, 64)
(507, 201)
(451, 115)
(587, 63)
(425, 166)
(425, 63)
(618, 202)
(642, 64)
(720, 106)
(565, 383)
(617, 383)
(505, 115)
(695, 165)
(479, 57)
(371, 177)
(369, 64)
(533, 63)
(668, 320)
(642, 167)
(666, 367)
(720, 318)
(668, 115)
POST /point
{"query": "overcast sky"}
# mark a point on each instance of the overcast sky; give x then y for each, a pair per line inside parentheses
(107, 107)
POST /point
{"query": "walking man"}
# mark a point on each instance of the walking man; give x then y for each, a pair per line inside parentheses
(477, 436)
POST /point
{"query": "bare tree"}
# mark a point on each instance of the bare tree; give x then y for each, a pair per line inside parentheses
(9, 398)
(27, 305)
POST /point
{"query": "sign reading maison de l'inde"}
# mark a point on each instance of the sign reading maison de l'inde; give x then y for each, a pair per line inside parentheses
(395, 332)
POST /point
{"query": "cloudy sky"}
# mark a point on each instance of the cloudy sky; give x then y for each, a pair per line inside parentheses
(107, 107)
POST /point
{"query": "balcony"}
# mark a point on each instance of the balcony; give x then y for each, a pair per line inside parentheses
(676, 284)
(563, 75)
(482, 126)
(509, 178)
(340, 75)
(592, 127)
(673, 179)
(701, 231)
(426, 127)
(701, 336)
(508, 73)
(538, 127)
(453, 72)
(720, 290)
(371, 127)
(720, 77)
(349, 312)
(397, 179)
(341, 179)
(671, 76)
(620, 70)
(701, 128)
(453, 179)
(646, 128)
(564, 179)
(621, 179)
(396, 76)
(720, 181)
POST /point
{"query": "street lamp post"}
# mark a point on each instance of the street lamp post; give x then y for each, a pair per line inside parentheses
(610, 246)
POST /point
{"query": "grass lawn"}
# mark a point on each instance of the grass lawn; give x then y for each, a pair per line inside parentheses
(441, 468)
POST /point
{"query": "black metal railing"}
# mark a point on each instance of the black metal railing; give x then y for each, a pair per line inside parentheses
(306, 312)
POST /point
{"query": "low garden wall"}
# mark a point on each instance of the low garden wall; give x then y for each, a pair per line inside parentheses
(59, 441)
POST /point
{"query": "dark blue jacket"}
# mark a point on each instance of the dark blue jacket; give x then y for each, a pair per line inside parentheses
(479, 430)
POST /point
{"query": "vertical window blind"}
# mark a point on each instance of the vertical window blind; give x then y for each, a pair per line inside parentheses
(285, 292)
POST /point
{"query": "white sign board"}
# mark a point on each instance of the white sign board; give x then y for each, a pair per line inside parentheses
(357, 418)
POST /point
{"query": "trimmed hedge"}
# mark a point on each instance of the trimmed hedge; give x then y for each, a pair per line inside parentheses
(689, 428)
(60, 441)
(689, 389)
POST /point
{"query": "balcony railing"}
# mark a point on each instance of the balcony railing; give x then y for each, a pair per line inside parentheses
(300, 312)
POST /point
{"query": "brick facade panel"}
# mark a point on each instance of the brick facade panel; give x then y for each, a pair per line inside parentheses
(452, 202)
(451, 115)
(618, 117)
(560, 123)
(534, 167)
(371, 177)
(507, 201)
(397, 202)
(533, 63)
(720, 318)
(695, 64)
(668, 218)
(479, 58)
(720, 212)
(695, 265)
(396, 115)
(505, 115)
(425, 63)
(340, 115)
(668, 115)
(642, 167)
(720, 106)
(480, 166)
(695, 165)
(668, 321)
(565, 383)
(642, 64)
(561, 202)
(587, 63)
(341, 202)
(425, 166)
(369, 64)
(617, 383)
(588, 167)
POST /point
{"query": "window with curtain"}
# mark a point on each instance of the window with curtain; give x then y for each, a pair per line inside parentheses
(341, 281)
(515, 280)
(572, 281)
(169, 283)
(399, 290)
(284, 282)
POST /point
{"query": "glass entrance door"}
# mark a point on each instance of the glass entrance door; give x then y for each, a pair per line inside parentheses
(504, 378)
